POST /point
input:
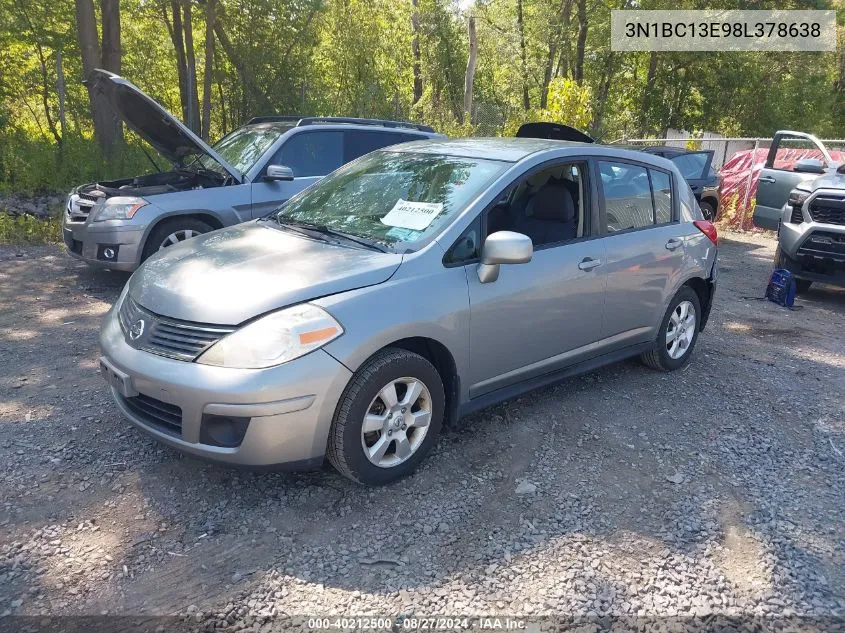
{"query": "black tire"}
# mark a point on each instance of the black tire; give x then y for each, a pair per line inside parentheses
(783, 261)
(173, 225)
(658, 358)
(345, 450)
(708, 210)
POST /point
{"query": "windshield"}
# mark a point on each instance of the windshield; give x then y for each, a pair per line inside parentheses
(395, 198)
(243, 147)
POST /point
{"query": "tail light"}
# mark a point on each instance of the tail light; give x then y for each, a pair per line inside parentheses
(709, 229)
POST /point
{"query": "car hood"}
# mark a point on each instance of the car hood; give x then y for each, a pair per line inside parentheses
(833, 180)
(229, 276)
(143, 114)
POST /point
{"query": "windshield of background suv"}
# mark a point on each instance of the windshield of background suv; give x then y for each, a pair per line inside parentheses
(393, 197)
(243, 147)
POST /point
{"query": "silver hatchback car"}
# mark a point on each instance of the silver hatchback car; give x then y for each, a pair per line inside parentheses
(408, 288)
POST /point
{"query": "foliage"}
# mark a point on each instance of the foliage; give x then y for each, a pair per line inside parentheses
(568, 103)
(26, 229)
(357, 57)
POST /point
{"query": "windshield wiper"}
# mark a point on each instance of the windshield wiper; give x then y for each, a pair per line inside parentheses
(325, 230)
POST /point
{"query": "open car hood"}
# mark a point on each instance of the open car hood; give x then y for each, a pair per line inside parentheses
(554, 131)
(168, 135)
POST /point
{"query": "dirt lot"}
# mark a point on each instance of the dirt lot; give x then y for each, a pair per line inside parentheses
(718, 489)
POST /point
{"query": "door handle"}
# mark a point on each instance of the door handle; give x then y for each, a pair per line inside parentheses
(766, 179)
(674, 243)
(588, 263)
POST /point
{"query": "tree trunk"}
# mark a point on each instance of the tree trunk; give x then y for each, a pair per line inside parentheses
(471, 62)
(191, 68)
(245, 72)
(581, 44)
(520, 25)
(177, 35)
(111, 58)
(566, 46)
(648, 90)
(89, 46)
(415, 50)
(208, 76)
(608, 71)
(547, 74)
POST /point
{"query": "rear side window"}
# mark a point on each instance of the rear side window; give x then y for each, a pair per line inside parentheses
(627, 196)
(662, 187)
(635, 197)
(311, 153)
(360, 142)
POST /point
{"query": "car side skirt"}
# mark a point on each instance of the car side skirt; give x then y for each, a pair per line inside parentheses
(517, 389)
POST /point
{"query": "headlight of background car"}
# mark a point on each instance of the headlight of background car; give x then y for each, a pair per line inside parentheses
(797, 197)
(274, 339)
(119, 208)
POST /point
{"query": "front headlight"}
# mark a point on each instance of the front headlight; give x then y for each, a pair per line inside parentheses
(119, 208)
(797, 197)
(274, 339)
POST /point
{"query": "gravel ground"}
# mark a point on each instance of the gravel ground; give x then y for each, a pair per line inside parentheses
(714, 490)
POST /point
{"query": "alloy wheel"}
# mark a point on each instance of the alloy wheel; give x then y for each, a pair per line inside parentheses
(396, 422)
(178, 236)
(680, 330)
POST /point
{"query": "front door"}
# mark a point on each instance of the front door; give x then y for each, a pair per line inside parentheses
(539, 316)
(778, 177)
(311, 155)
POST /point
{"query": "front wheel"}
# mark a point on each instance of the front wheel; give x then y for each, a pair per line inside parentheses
(172, 232)
(678, 332)
(388, 418)
(783, 261)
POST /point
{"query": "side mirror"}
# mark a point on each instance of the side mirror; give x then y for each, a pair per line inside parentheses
(503, 247)
(278, 172)
(809, 166)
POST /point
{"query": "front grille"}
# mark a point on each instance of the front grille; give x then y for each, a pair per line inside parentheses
(824, 245)
(165, 336)
(155, 413)
(79, 206)
(828, 209)
(797, 216)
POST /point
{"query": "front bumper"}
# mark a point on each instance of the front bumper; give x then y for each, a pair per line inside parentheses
(289, 407)
(88, 241)
(816, 248)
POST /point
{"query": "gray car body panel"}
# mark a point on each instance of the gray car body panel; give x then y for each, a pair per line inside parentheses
(536, 321)
(230, 276)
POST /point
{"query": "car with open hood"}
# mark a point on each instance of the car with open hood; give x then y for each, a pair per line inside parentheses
(410, 287)
(251, 171)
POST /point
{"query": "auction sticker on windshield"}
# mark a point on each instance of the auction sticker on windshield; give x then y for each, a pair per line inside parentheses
(417, 216)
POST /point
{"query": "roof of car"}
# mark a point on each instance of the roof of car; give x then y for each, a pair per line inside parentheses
(496, 148)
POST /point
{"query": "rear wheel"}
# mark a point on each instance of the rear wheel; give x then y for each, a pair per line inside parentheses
(708, 210)
(678, 332)
(783, 261)
(388, 418)
(172, 232)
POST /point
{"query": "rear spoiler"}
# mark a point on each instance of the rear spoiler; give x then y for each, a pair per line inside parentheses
(554, 131)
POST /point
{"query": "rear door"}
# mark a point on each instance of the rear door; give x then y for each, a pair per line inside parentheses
(360, 142)
(778, 177)
(310, 154)
(644, 243)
